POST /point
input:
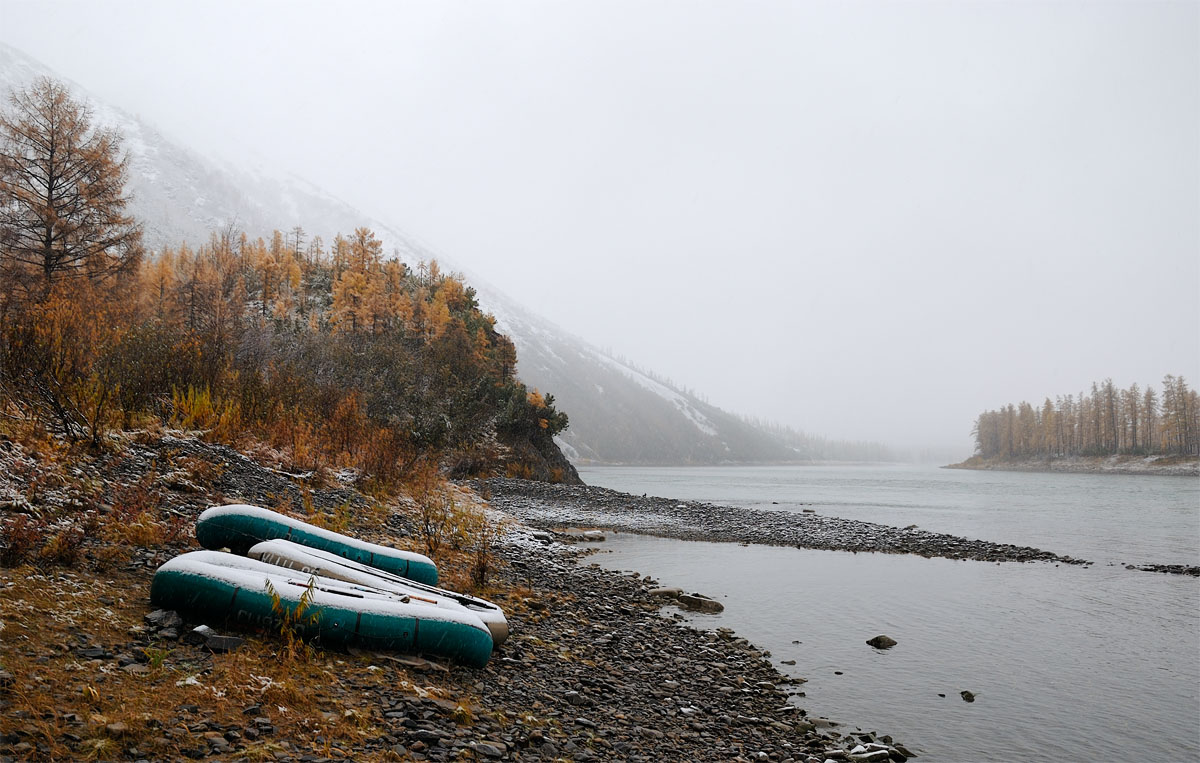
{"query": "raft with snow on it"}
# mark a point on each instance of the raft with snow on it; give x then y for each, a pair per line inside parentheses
(223, 589)
(238, 526)
(307, 560)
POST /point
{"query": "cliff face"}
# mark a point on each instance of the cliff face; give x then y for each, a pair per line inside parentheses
(543, 461)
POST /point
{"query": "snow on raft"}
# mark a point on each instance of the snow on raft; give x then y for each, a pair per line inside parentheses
(216, 587)
(306, 560)
(238, 526)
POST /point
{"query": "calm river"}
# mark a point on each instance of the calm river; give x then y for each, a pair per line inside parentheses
(1066, 663)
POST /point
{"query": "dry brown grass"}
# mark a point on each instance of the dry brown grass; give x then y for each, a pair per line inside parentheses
(70, 588)
(65, 705)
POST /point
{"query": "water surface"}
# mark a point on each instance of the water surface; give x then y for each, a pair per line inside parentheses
(1128, 519)
(1065, 662)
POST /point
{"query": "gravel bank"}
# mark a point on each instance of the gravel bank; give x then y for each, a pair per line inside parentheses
(592, 670)
(559, 506)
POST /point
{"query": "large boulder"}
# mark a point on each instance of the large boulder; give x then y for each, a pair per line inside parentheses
(882, 642)
(700, 603)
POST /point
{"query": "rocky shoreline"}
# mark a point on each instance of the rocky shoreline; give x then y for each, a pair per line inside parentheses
(557, 507)
(560, 506)
(629, 684)
(1163, 466)
(592, 671)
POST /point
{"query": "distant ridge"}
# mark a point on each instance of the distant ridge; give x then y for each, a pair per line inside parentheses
(618, 414)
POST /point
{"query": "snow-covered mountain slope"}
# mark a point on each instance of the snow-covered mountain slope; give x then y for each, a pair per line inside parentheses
(620, 414)
(182, 196)
(617, 413)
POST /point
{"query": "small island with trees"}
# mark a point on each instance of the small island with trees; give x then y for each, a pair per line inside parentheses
(1131, 431)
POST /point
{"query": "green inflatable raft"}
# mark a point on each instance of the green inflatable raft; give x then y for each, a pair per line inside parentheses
(222, 589)
(239, 526)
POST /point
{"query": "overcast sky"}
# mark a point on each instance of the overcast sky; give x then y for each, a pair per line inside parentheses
(866, 220)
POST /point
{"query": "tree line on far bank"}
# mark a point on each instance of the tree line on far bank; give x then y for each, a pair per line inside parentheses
(1108, 421)
(334, 355)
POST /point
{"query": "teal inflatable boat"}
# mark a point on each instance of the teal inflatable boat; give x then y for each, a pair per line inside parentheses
(310, 561)
(239, 526)
(223, 589)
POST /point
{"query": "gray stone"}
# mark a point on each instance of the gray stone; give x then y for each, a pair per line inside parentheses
(426, 736)
(575, 698)
(666, 593)
(198, 635)
(882, 642)
(489, 749)
(222, 644)
(967, 696)
(700, 603)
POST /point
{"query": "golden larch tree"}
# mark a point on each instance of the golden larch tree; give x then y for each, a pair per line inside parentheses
(62, 193)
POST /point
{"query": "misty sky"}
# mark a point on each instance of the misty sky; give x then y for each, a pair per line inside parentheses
(864, 220)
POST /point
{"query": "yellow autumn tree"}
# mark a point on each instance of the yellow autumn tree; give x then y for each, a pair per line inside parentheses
(350, 296)
(62, 194)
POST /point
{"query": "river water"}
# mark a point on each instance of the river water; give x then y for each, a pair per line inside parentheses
(1066, 663)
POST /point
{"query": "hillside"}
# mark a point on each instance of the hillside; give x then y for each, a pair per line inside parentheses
(619, 414)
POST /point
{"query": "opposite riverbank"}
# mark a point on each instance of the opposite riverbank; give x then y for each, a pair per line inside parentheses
(592, 671)
(1167, 466)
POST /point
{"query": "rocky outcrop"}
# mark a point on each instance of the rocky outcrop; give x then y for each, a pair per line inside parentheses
(542, 461)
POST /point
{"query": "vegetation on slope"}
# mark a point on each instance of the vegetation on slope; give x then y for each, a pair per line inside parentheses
(335, 356)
